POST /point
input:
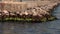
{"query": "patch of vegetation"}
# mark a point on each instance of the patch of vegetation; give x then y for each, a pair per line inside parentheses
(18, 19)
(43, 19)
(51, 18)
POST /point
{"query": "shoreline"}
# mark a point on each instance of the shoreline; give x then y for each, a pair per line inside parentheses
(33, 17)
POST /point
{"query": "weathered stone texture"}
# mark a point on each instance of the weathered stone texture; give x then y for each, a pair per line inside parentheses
(13, 6)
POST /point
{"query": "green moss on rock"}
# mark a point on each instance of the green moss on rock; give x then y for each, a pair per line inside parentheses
(51, 18)
(44, 19)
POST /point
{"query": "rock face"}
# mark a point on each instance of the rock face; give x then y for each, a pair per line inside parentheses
(23, 10)
(13, 6)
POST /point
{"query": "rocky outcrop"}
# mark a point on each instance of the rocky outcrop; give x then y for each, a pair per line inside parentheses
(39, 12)
(42, 10)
